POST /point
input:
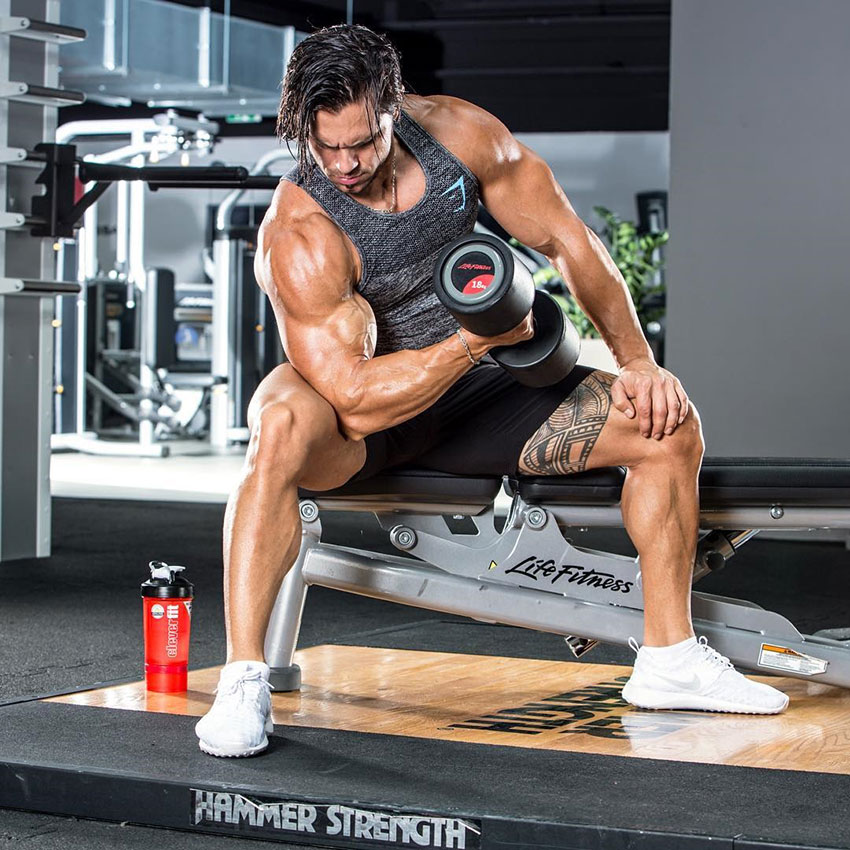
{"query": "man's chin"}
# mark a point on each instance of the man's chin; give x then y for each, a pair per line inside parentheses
(351, 188)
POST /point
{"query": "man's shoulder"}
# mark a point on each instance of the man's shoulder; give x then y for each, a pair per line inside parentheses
(296, 228)
(471, 133)
(441, 112)
(293, 216)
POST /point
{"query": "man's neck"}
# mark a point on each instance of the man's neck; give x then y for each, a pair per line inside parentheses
(378, 193)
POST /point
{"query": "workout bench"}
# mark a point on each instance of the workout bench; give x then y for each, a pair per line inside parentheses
(530, 575)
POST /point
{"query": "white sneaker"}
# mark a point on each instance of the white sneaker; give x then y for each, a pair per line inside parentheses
(240, 718)
(702, 680)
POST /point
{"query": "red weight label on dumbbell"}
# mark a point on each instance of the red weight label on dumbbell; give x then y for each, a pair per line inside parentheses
(478, 284)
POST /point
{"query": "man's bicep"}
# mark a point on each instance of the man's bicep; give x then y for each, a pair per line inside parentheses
(325, 345)
(326, 329)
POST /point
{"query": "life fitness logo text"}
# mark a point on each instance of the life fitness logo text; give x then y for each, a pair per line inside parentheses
(545, 569)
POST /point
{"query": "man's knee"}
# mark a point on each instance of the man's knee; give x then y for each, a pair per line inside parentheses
(283, 433)
(686, 443)
(273, 433)
(283, 382)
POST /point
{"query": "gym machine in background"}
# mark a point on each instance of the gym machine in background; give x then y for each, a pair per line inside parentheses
(246, 345)
(142, 359)
(61, 172)
(252, 340)
(116, 367)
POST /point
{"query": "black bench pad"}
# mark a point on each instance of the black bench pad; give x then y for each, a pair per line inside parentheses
(415, 485)
(723, 481)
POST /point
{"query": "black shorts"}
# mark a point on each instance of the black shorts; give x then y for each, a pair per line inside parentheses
(477, 427)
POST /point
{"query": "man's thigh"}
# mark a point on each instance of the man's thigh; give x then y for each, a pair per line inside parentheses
(482, 423)
(586, 431)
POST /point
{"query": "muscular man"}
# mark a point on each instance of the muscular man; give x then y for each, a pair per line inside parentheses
(379, 373)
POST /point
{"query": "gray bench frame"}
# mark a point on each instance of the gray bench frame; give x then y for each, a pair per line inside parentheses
(530, 574)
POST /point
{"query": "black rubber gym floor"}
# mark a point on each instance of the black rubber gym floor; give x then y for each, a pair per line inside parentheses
(74, 620)
(139, 767)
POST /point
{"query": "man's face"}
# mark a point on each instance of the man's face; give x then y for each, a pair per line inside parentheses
(348, 147)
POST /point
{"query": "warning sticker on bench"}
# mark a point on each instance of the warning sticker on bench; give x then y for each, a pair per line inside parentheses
(782, 658)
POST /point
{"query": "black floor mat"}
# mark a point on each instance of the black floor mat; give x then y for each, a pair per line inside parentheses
(103, 760)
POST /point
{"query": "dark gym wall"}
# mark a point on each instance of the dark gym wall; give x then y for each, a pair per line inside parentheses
(759, 289)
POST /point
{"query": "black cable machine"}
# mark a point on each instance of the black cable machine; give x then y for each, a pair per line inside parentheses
(113, 384)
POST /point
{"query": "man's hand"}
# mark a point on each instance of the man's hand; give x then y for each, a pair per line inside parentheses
(653, 394)
(480, 345)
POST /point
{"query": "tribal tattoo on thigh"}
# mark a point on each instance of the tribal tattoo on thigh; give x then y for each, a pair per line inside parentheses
(563, 443)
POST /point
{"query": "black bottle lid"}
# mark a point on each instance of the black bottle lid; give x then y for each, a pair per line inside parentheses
(165, 582)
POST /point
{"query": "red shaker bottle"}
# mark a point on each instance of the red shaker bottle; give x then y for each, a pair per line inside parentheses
(167, 598)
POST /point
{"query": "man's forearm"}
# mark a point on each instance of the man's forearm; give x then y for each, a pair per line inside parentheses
(395, 387)
(600, 290)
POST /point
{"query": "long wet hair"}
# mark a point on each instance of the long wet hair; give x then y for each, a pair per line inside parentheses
(333, 68)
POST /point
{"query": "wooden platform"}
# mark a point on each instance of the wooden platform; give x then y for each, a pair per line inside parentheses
(551, 705)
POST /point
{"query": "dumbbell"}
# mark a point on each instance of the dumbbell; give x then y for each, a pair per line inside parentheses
(488, 293)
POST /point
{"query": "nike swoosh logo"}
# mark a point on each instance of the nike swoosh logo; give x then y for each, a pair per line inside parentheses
(690, 684)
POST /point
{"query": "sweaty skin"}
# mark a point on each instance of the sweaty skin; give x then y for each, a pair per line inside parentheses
(310, 269)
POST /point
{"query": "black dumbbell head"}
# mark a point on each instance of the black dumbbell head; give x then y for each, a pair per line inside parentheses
(550, 355)
(479, 283)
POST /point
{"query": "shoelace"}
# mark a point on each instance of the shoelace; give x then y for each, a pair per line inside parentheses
(712, 655)
(237, 684)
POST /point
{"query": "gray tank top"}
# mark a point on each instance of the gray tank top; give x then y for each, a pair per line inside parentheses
(398, 250)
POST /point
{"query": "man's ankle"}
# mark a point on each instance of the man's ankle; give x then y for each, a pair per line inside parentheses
(657, 639)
